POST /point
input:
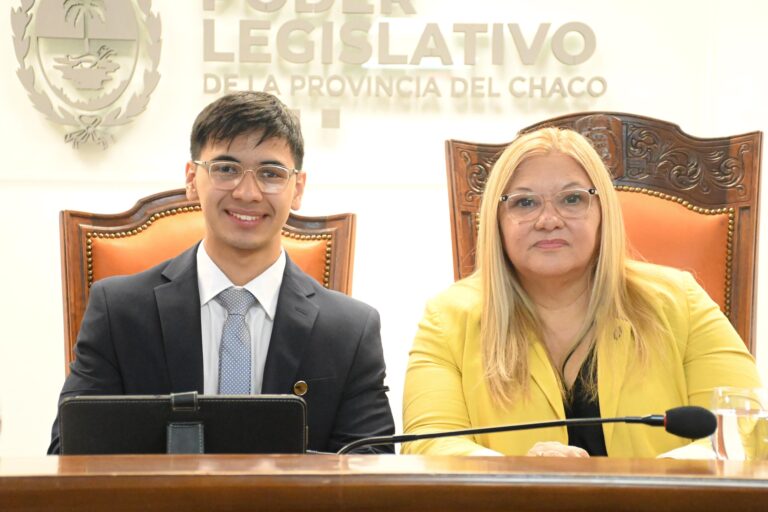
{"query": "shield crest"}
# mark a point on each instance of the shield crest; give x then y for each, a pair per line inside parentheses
(80, 61)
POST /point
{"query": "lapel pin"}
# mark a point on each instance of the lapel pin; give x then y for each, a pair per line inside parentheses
(300, 388)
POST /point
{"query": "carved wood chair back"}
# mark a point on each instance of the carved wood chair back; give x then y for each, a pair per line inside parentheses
(688, 202)
(161, 226)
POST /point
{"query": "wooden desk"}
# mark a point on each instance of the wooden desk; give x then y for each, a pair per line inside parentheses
(369, 482)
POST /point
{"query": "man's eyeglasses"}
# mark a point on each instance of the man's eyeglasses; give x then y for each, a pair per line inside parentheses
(226, 175)
(569, 204)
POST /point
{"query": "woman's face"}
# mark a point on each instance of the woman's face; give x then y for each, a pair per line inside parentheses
(550, 222)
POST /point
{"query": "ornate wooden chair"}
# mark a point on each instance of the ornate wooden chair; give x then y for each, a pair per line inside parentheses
(688, 202)
(158, 227)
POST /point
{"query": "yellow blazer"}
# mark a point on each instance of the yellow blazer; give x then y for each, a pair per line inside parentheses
(445, 388)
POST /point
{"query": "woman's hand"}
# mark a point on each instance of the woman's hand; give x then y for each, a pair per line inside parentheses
(555, 449)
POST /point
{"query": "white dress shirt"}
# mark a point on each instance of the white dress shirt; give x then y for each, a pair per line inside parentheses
(260, 317)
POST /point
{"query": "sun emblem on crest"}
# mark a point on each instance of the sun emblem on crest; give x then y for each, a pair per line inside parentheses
(81, 62)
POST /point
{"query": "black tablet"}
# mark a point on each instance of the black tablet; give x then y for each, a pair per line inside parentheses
(183, 423)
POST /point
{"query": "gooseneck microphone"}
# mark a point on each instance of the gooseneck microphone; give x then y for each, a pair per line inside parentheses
(689, 421)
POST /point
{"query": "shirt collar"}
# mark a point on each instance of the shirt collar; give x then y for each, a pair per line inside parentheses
(265, 287)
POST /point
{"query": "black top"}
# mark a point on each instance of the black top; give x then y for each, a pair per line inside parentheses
(580, 406)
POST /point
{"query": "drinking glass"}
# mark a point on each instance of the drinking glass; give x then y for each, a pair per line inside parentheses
(742, 423)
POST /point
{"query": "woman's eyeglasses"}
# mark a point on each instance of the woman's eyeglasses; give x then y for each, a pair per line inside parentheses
(569, 204)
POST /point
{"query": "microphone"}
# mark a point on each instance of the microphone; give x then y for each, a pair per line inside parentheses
(689, 421)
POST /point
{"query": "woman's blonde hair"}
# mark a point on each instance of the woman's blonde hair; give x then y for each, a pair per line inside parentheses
(509, 317)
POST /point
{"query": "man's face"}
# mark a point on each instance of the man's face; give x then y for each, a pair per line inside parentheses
(244, 222)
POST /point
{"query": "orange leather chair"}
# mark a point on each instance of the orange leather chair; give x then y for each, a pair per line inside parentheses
(159, 227)
(688, 202)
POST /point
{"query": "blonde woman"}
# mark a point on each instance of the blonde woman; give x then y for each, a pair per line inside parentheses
(558, 322)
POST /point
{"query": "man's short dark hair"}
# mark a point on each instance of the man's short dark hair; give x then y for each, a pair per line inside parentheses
(243, 113)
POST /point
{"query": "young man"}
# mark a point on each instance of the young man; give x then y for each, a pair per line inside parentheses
(175, 328)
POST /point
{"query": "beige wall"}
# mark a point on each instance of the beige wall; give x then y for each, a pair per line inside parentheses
(699, 64)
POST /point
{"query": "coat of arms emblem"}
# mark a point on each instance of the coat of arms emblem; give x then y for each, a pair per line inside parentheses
(87, 64)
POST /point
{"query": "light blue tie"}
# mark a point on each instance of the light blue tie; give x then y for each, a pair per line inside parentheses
(235, 348)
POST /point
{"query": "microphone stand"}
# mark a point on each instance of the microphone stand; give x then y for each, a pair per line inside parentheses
(653, 420)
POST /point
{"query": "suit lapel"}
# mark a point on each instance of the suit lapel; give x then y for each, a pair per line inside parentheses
(544, 377)
(612, 360)
(294, 318)
(178, 304)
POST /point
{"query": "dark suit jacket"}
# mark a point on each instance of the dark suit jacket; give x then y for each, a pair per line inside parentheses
(141, 335)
